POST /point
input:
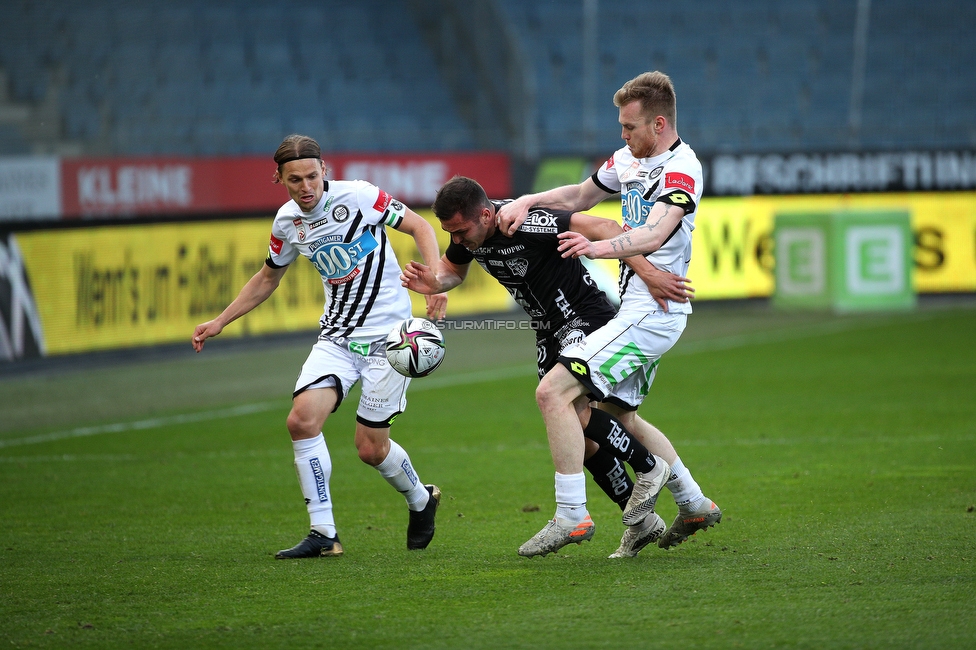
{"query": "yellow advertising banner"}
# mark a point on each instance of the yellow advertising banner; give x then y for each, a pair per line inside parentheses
(121, 286)
(733, 250)
(111, 287)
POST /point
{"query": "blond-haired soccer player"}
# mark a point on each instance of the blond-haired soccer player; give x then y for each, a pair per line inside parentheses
(659, 179)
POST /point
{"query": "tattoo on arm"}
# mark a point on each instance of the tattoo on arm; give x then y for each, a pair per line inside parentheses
(620, 243)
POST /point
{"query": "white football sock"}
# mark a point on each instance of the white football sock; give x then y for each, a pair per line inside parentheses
(683, 487)
(398, 471)
(571, 497)
(314, 467)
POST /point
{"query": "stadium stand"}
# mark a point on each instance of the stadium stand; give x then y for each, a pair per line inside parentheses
(219, 77)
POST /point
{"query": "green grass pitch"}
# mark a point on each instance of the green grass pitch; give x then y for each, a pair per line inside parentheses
(141, 502)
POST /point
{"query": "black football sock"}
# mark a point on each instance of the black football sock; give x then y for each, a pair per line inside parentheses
(611, 475)
(608, 432)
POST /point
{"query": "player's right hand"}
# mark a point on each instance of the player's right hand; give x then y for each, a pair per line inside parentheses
(204, 331)
(511, 215)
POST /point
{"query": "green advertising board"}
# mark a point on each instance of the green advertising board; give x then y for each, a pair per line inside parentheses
(845, 261)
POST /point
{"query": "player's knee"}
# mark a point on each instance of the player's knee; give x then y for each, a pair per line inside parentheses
(370, 452)
(543, 394)
(301, 426)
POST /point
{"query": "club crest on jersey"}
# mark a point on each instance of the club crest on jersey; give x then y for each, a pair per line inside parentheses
(518, 265)
(656, 171)
(340, 214)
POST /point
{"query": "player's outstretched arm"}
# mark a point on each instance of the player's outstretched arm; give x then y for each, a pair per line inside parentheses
(421, 278)
(568, 197)
(423, 234)
(662, 285)
(645, 239)
(261, 285)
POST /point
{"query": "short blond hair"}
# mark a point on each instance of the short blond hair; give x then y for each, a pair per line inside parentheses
(654, 91)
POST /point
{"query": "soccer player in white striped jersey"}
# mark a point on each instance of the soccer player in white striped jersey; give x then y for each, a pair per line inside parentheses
(340, 227)
(659, 179)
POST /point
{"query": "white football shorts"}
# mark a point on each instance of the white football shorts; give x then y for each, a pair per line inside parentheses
(618, 362)
(339, 363)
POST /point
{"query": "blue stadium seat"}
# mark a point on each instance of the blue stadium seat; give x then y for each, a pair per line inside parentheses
(220, 76)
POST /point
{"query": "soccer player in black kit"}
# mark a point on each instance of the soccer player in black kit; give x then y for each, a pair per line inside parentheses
(564, 305)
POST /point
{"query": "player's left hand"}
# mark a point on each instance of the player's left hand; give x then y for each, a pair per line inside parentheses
(664, 286)
(573, 244)
(436, 306)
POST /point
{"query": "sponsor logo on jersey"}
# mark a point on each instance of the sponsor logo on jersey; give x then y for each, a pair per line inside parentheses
(338, 261)
(382, 201)
(341, 213)
(344, 279)
(634, 207)
(276, 245)
(297, 221)
(541, 219)
(680, 181)
(318, 243)
(511, 249)
(496, 263)
(328, 202)
(518, 265)
(610, 163)
(679, 198)
(657, 171)
(362, 349)
(632, 172)
(578, 368)
(320, 222)
(539, 222)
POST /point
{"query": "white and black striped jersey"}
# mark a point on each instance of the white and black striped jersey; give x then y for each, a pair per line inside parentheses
(674, 177)
(344, 237)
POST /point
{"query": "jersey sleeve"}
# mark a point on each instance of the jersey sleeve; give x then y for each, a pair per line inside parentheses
(280, 252)
(458, 254)
(562, 220)
(682, 187)
(379, 207)
(606, 177)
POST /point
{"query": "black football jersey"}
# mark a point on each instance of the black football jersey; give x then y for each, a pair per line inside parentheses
(554, 292)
